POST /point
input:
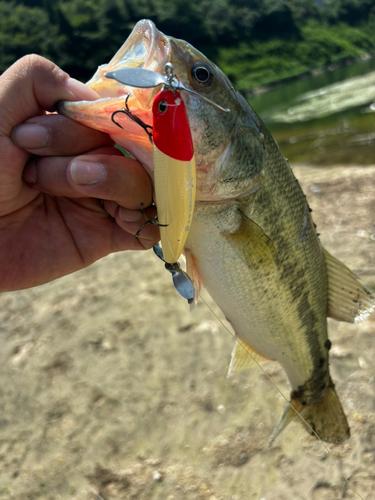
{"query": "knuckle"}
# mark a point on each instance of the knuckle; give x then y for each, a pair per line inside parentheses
(34, 63)
(38, 68)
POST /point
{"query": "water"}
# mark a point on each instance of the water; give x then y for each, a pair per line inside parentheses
(325, 119)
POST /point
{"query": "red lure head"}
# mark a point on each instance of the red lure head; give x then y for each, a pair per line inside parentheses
(171, 130)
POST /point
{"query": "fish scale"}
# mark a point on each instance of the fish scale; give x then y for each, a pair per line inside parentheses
(255, 301)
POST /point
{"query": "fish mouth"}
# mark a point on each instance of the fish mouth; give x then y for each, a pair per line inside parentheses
(148, 48)
(145, 48)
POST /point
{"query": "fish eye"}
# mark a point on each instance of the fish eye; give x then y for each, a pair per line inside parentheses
(162, 107)
(202, 74)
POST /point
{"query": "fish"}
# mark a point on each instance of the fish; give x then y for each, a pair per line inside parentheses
(252, 241)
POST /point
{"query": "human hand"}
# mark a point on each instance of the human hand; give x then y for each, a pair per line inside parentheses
(53, 171)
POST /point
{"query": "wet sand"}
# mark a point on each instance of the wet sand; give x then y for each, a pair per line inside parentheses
(111, 389)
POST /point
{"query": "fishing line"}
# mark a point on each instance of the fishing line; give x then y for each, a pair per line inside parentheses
(273, 437)
(329, 453)
(168, 81)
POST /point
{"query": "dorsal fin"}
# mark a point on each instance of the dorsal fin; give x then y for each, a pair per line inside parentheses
(348, 300)
(243, 357)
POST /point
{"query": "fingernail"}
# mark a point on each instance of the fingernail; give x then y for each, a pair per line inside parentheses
(127, 215)
(81, 91)
(30, 136)
(29, 174)
(87, 173)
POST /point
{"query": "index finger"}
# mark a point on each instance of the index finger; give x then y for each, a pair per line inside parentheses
(33, 85)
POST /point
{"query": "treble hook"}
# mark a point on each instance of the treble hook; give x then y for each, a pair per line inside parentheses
(148, 221)
(133, 117)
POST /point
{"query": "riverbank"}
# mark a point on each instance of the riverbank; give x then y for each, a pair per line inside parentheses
(348, 61)
(111, 388)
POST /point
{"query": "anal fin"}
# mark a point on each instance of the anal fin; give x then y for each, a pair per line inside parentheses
(348, 300)
(243, 357)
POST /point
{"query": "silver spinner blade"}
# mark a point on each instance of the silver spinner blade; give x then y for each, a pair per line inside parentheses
(145, 79)
(137, 77)
(181, 280)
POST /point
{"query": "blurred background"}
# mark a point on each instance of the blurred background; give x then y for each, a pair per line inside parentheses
(306, 66)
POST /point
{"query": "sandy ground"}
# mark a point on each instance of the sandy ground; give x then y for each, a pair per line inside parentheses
(111, 389)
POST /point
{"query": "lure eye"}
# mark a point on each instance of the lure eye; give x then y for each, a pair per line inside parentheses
(202, 74)
(162, 107)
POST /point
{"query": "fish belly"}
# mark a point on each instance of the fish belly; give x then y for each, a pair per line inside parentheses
(271, 311)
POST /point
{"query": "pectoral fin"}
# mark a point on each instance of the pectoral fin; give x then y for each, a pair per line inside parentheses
(253, 243)
(243, 357)
(348, 300)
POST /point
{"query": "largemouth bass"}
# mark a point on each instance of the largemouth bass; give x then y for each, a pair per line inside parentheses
(252, 242)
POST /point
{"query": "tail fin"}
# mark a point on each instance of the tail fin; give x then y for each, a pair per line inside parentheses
(325, 417)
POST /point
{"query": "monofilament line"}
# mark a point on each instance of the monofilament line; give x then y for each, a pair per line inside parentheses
(283, 396)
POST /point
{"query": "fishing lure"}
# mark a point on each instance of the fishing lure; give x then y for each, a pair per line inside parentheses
(174, 172)
(173, 153)
(174, 164)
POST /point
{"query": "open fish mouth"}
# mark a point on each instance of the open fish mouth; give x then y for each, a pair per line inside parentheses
(145, 48)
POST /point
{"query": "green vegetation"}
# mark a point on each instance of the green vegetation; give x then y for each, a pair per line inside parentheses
(255, 42)
(251, 65)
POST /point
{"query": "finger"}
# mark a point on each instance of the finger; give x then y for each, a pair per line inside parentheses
(138, 222)
(115, 178)
(123, 232)
(49, 174)
(141, 222)
(122, 240)
(28, 88)
(133, 222)
(41, 84)
(53, 135)
(109, 176)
